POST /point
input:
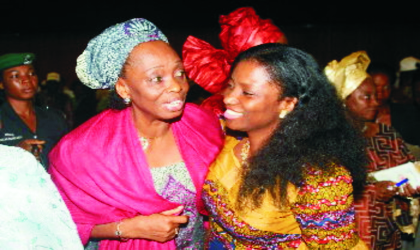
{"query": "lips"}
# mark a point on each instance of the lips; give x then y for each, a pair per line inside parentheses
(231, 114)
(174, 105)
(28, 91)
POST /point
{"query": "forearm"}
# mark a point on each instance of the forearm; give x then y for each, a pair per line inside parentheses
(156, 227)
(106, 231)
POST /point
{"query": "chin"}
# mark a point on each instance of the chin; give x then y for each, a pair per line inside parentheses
(233, 125)
(174, 116)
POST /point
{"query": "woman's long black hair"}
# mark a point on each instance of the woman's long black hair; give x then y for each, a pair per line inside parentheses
(317, 132)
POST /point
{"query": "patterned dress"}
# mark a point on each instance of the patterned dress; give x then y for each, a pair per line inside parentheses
(374, 218)
(320, 215)
(174, 183)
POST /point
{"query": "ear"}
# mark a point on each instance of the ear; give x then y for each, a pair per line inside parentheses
(1, 85)
(288, 103)
(122, 89)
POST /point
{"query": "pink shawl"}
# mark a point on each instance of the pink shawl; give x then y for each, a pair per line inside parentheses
(102, 173)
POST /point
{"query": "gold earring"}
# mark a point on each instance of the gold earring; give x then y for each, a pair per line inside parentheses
(283, 114)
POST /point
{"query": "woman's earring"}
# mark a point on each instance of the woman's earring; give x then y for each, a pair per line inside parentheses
(127, 100)
(283, 114)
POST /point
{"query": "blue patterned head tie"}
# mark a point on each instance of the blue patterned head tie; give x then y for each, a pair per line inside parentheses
(99, 66)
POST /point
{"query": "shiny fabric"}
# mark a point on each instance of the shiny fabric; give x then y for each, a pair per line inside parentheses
(349, 73)
(243, 28)
(103, 176)
(375, 223)
(320, 214)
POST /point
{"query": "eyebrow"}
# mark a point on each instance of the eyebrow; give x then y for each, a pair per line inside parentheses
(177, 63)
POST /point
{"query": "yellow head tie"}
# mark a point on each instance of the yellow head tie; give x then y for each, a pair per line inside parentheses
(349, 73)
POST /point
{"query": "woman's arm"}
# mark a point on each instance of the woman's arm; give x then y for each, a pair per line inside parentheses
(324, 209)
(157, 227)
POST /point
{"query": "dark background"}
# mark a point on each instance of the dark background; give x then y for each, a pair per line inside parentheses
(58, 32)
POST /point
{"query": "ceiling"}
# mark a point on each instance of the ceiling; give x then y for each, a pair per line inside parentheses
(84, 16)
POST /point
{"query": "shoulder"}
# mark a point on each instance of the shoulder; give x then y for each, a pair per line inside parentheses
(325, 187)
(97, 129)
(225, 161)
(196, 120)
(197, 114)
(15, 158)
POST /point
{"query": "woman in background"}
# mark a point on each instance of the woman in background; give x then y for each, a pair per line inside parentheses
(381, 202)
(24, 124)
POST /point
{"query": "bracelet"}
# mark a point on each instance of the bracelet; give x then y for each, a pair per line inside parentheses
(119, 233)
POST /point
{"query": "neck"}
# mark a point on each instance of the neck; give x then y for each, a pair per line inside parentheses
(21, 107)
(258, 139)
(150, 128)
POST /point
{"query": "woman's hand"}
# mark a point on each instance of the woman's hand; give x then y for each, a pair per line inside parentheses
(385, 190)
(407, 190)
(157, 227)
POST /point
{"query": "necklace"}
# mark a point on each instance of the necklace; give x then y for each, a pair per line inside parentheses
(245, 153)
(145, 142)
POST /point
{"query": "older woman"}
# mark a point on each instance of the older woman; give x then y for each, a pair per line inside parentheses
(386, 149)
(132, 178)
(287, 183)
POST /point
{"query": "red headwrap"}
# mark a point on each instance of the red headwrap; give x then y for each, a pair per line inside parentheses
(241, 29)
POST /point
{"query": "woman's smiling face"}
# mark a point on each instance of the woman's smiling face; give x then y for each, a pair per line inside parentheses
(252, 99)
(155, 81)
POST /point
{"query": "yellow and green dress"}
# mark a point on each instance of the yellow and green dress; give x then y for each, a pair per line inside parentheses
(320, 212)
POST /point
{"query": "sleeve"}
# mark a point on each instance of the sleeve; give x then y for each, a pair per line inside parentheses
(324, 209)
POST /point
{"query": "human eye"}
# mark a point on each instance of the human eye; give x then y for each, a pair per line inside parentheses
(180, 73)
(32, 73)
(14, 76)
(156, 79)
(230, 85)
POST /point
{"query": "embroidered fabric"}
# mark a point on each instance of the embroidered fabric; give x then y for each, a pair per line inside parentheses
(173, 182)
(32, 213)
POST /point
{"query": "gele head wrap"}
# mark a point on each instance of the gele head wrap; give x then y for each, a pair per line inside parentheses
(349, 73)
(241, 30)
(99, 66)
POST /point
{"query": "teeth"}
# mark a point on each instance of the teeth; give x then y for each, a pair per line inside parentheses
(230, 114)
(174, 103)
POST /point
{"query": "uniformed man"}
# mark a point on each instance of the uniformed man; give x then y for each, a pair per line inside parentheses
(22, 124)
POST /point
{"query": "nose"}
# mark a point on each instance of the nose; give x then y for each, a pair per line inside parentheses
(176, 85)
(229, 97)
(25, 79)
(375, 102)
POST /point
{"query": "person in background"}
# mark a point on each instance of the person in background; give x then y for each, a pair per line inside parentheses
(403, 117)
(32, 212)
(284, 178)
(52, 96)
(381, 212)
(132, 175)
(24, 124)
(209, 67)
